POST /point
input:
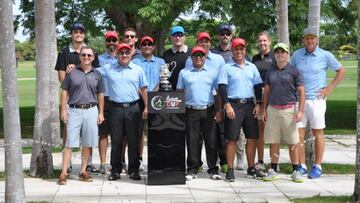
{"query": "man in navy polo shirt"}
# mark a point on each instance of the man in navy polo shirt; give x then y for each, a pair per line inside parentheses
(125, 81)
(199, 82)
(237, 81)
(284, 87)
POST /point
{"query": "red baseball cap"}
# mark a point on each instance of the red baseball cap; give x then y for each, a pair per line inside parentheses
(112, 34)
(202, 35)
(146, 38)
(198, 49)
(122, 46)
(237, 41)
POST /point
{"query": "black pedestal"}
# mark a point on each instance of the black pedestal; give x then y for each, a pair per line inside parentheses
(166, 138)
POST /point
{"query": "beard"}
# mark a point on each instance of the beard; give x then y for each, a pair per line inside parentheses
(111, 48)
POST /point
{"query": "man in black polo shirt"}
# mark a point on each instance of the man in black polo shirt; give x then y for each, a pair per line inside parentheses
(69, 57)
(82, 90)
(264, 61)
(177, 55)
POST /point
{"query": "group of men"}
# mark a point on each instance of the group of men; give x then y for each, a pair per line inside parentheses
(228, 98)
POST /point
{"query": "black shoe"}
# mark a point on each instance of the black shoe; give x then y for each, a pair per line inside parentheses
(135, 176)
(114, 176)
(91, 168)
(69, 169)
(230, 176)
(254, 173)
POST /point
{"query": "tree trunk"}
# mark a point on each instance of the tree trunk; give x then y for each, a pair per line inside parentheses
(14, 177)
(282, 21)
(313, 22)
(357, 163)
(314, 15)
(45, 41)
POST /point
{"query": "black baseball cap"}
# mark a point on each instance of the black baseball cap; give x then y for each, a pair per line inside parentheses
(77, 26)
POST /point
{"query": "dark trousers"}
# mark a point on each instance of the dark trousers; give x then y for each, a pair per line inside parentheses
(221, 142)
(198, 121)
(125, 121)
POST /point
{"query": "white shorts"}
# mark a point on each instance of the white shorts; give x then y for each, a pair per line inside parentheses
(314, 112)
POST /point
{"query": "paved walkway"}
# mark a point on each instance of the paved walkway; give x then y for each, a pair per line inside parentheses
(339, 149)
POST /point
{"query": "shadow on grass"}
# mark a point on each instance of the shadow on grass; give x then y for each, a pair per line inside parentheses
(325, 199)
(26, 120)
(328, 168)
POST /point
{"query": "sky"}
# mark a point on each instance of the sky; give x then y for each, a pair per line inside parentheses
(18, 35)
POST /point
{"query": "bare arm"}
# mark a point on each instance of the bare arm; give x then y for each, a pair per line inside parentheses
(340, 74)
(300, 113)
(100, 97)
(64, 99)
(265, 101)
(61, 75)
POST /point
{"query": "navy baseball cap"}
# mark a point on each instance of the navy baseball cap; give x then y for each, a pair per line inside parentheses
(225, 27)
(77, 26)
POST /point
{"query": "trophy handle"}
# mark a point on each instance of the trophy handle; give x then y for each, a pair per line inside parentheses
(172, 63)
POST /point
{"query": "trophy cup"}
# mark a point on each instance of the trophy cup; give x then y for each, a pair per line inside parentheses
(165, 74)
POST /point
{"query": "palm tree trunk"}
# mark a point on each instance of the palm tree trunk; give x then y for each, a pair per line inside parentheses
(357, 163)
(14, 177)
(45, 41)
(282, 21)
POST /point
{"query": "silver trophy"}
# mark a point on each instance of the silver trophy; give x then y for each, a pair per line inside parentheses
(165, 74)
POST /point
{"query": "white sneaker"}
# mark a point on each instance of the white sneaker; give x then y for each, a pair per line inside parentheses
(104, 168)
(190, 176)
(297, 177)
(215, 176)
(240, 165)
(141, 167)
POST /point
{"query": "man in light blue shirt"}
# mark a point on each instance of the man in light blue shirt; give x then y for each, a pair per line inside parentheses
(237, 81)
(151, 66)
(108, 57)
(125, 81)
(313, 62)
(199, 82)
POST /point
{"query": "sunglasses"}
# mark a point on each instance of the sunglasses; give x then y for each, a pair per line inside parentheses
(224, 33)
(130, 36)
(198, 54)
(124, 53)
(178, 34)
(147, 44)
(87, 55)
(111, 40)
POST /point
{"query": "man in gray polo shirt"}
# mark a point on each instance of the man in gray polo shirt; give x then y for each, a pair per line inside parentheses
(284, 86)
(82, 90)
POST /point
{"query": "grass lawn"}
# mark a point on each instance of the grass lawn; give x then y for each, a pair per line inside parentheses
(340, 115)
(325, 199)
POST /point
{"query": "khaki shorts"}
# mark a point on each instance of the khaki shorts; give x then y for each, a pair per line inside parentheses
(281, 125)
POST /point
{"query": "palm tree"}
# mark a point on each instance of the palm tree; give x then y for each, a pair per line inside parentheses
(45, 41)
(14, 178)
(282, 21)
(357, 163)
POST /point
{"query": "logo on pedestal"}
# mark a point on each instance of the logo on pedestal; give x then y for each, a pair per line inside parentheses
(157, 102)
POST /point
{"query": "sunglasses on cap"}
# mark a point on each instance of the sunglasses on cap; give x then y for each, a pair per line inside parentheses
(178, 34)
(124, 53)
(147, 44)
(225, 33)
(111, 40)
(198, 54)
(87, 55)
(130, 36)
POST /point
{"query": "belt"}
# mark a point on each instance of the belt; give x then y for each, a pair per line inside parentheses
(203, 107)
(123, 105)
(286, 106)
(242, 101)
(82, 106)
